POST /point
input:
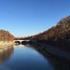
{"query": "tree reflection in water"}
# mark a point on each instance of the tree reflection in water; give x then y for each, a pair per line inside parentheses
(58, 63)
(5, 53)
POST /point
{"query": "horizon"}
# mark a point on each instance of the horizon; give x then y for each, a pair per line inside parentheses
(29, 17)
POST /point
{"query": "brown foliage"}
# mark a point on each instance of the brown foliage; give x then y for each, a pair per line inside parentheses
(5, 36)
(60, 31)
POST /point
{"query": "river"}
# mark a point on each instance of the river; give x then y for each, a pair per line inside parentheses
(26, 58)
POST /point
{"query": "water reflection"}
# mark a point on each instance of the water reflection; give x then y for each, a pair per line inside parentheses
(5, 53)
(28, 58)
(58, 64)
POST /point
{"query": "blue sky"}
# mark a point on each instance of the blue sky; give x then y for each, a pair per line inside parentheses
(29, 17)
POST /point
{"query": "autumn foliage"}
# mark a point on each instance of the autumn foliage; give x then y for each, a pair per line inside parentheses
(6, 36)
(60, 31)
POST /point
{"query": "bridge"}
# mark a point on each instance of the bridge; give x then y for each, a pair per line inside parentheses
(19, 41)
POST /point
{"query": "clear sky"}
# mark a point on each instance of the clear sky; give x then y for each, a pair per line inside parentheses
(29, 17)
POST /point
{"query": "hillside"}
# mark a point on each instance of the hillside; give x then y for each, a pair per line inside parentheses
(60, 31)
(6, 36)
(58, 36)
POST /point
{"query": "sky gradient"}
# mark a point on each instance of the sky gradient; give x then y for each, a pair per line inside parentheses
(29, 17)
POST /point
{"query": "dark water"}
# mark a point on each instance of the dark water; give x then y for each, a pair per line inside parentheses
(24, 58)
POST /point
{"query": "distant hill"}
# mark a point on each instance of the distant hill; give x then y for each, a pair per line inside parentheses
(22, 38)
(6, 36)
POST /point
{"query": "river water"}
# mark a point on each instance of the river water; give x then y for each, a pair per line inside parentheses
(25, 58)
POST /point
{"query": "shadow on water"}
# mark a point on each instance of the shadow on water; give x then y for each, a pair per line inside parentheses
(5, 53)
(58, 63)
